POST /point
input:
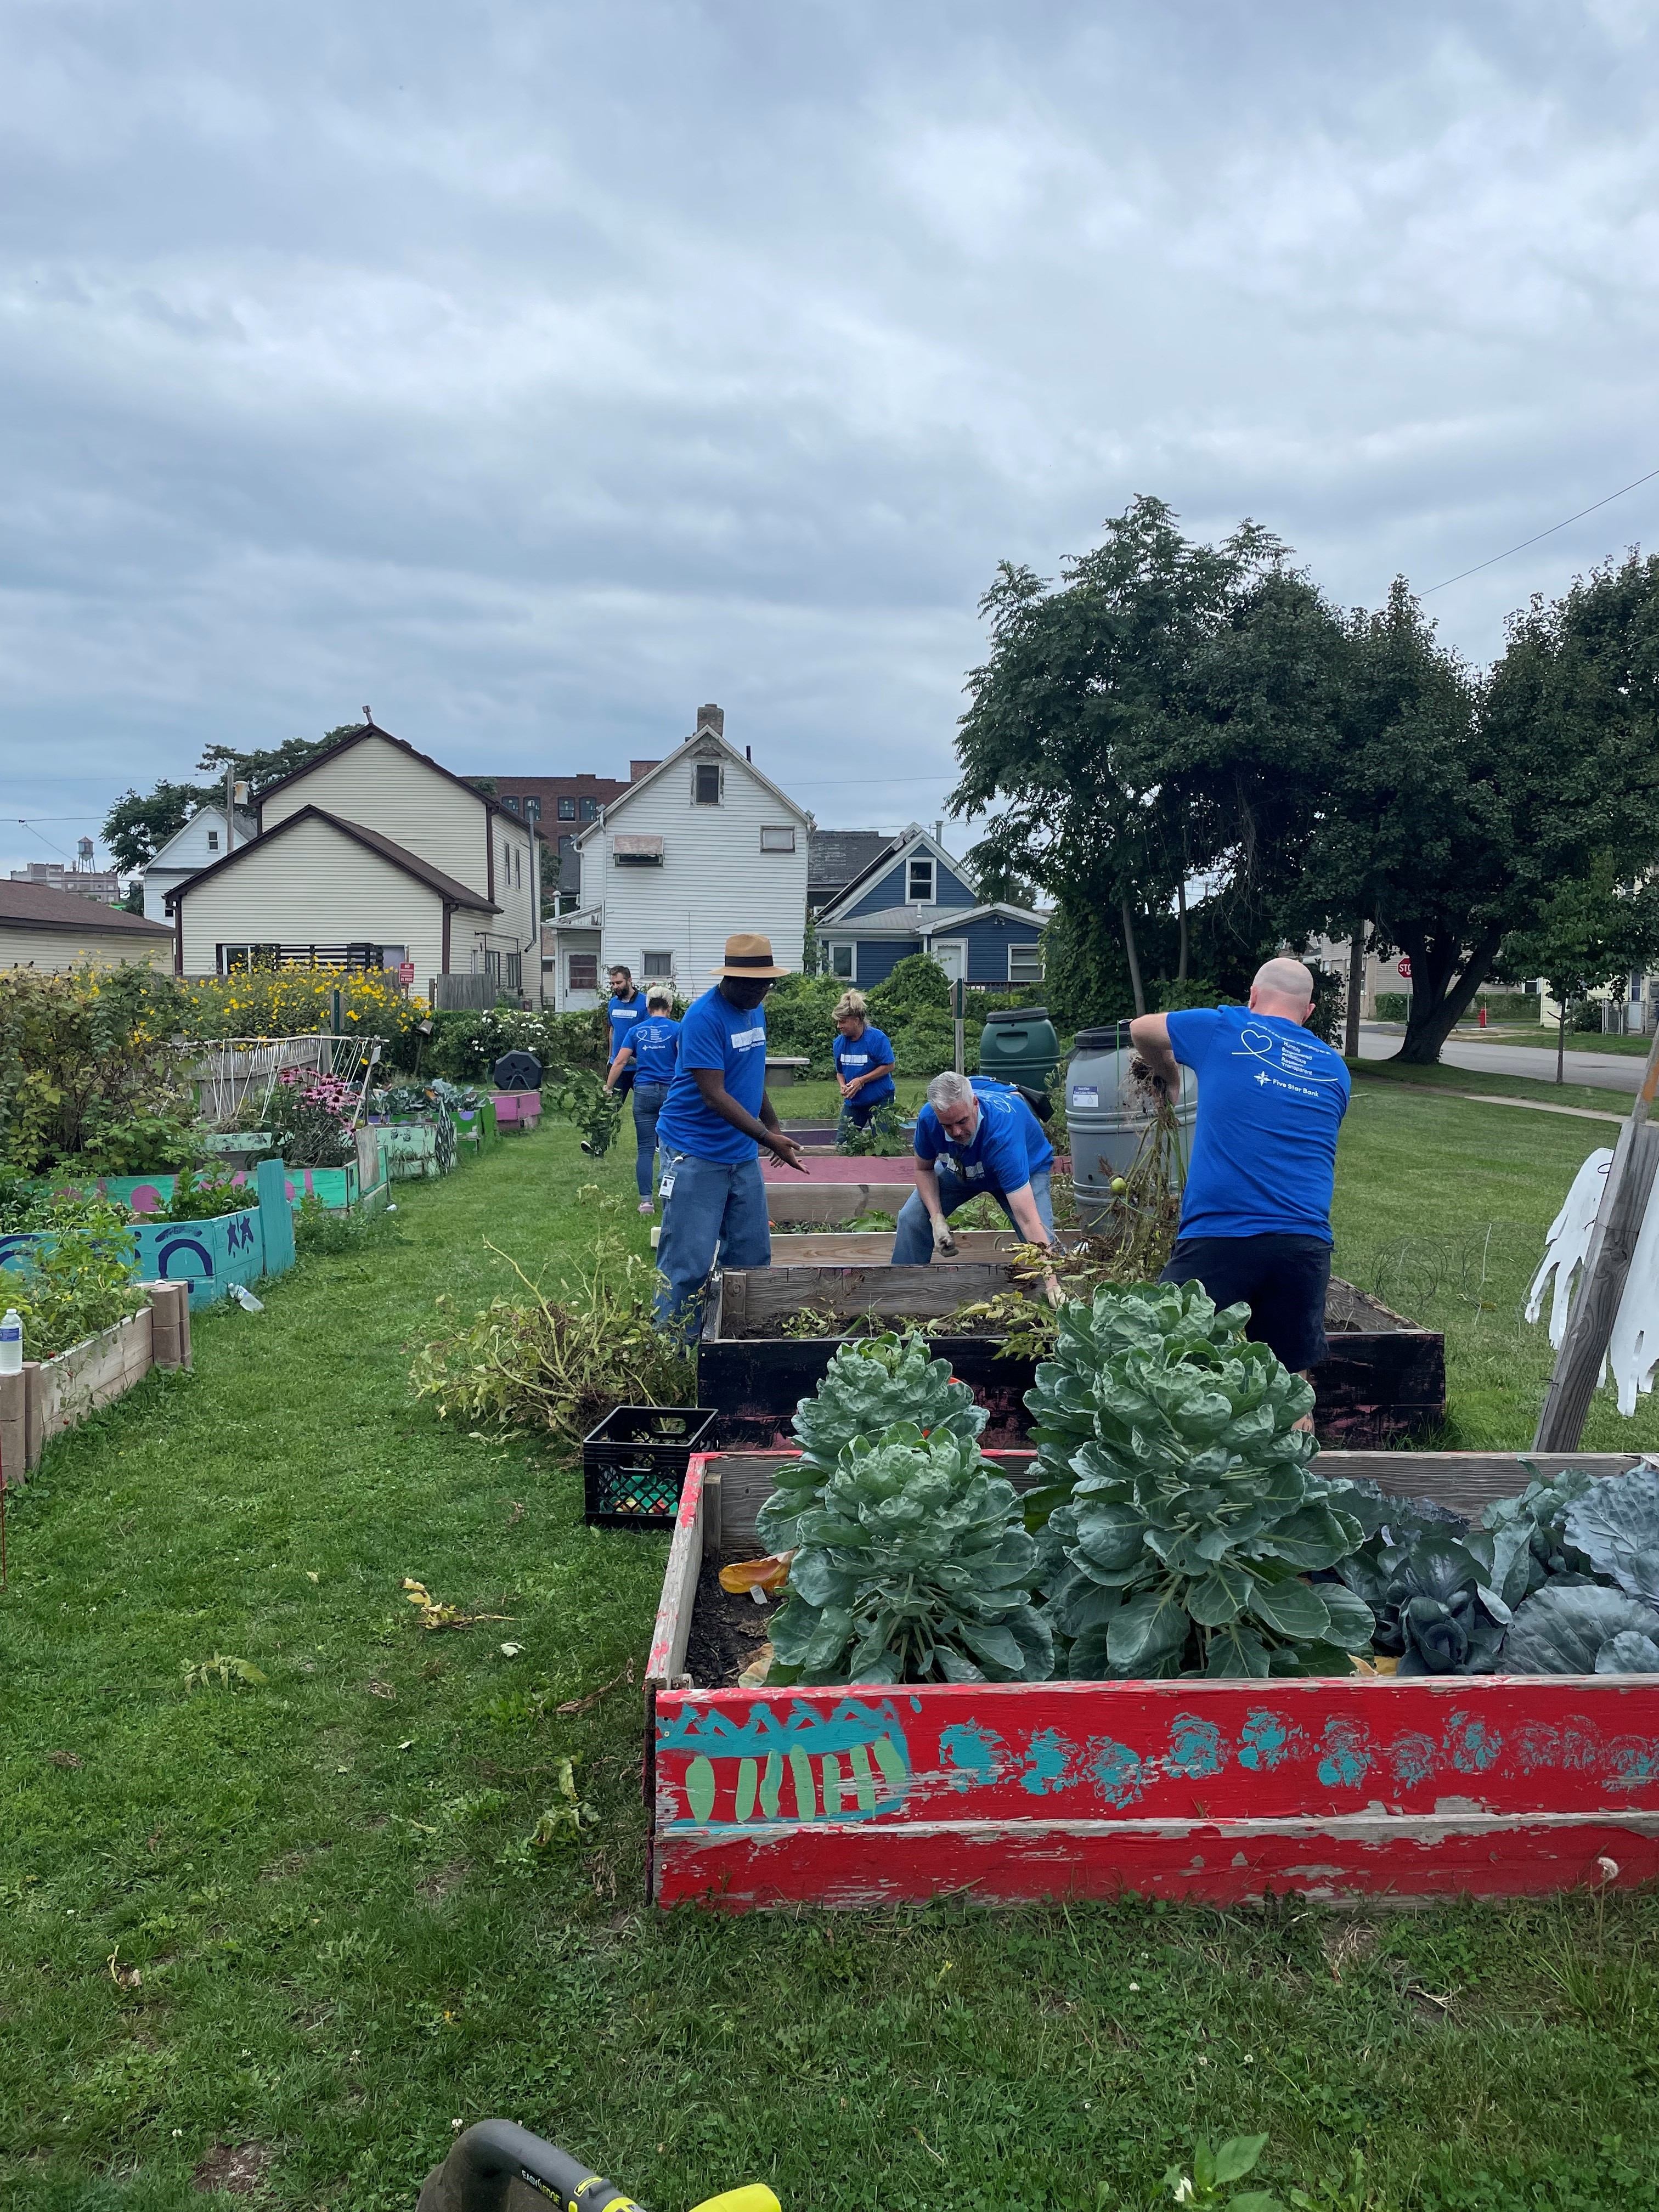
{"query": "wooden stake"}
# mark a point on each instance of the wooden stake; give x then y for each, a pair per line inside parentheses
(1606, 1266)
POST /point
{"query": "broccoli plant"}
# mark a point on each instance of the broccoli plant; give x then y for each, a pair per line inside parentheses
(914, 1567)
(1196, 1516)
(869, 1387)
(1175, 1324)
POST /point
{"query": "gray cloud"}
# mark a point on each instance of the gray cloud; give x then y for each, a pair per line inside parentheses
(535, 373)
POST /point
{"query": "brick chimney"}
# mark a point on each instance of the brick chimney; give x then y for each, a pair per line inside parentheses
(637, 768)
(711, 718)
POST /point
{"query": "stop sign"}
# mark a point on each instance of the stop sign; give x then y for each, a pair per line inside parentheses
(1406, 970)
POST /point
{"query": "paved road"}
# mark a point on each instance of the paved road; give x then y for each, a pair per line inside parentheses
(1607, 1070)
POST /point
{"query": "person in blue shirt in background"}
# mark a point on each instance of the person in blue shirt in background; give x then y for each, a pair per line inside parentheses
(651, 1050)
(864, 1061)
(627, 1007)
(974, 1139)
(715, 1118)
(1256, 1213)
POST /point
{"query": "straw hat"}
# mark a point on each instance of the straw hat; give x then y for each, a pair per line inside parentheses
(747, 956)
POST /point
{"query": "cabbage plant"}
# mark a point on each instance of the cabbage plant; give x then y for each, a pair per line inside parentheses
(868, 1388)
(1610, 1626)
(914, 1567)
(1196, 1514)
(1175, 1324)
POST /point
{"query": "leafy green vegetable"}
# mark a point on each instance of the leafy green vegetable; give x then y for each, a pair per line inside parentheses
(1582, 1628)
(1176, 1323)
(1541, 1510)
(916, 1567)
(1613, 1525)
(867, 1388)
(1440, 1616)
(1196, 1513)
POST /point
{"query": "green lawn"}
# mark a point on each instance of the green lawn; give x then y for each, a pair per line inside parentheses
(305, 1918)
(1480, 1082)
(1577, 1041)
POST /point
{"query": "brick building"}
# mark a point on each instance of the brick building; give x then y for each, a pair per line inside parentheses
(562, 806)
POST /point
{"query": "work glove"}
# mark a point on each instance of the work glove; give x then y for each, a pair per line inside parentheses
(943, 1240)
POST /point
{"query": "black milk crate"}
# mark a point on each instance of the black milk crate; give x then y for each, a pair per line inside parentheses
(634, 1463)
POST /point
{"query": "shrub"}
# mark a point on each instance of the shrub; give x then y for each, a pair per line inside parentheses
(466, 1046)
(801, 1018)
(1393, 1006)
(279, 1002)
(87, 1075)
(206, 1196)
(916, 987)
(78, 1282)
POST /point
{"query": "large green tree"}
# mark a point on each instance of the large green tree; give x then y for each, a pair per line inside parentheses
(139, 823)
(1590, 932)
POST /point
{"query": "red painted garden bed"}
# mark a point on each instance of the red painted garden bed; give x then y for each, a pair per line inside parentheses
(1491, 1785)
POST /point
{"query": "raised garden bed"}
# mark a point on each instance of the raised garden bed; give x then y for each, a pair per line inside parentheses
(476, 1128)
(1383, 1381)
(52, 1395)
(1220, 1792)
(212, 1256)
(360, 1182)
(418, 1149)
(792, 1197)
(873, 1248)
(517, 1110)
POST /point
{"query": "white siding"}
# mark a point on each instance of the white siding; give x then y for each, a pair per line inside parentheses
(387, 789)
(714, 881)
(316, 886)
(186, 851)
(384, 788)
(55, 952)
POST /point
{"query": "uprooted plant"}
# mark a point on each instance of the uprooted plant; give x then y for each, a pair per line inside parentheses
(558, 1364)
(914, 1566)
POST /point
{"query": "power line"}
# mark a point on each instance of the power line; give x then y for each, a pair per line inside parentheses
(43, 839)
(1550, 533)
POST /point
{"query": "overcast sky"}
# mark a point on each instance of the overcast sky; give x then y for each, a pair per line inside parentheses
(533, 373)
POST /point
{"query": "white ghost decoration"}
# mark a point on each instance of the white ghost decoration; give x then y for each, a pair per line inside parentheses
(1567, 1242)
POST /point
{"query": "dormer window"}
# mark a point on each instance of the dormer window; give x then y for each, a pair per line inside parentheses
(920, 887)
(706, 784)
(213, 841)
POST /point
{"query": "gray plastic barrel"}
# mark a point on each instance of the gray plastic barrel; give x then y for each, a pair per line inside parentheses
(1018, 1045)
(1108, 1113)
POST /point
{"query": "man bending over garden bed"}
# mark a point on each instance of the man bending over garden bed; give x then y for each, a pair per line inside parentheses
(991, 1144)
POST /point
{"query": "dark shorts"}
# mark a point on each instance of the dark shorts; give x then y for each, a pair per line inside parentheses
(1282, 1279)
(624, 1083)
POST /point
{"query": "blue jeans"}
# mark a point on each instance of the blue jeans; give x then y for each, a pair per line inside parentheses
(858, 1110)
(913, 1245)
(706, 1205)
(648, 1104)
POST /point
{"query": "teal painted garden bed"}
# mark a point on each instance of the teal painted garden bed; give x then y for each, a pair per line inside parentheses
(211, 1257)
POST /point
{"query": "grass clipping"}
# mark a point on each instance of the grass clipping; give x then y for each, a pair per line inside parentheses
(555, 1366)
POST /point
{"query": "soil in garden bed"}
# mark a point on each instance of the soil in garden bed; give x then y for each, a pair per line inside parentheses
(727, 1631)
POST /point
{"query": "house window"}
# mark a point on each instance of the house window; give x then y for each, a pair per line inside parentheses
(518, 869)
(1025, 963)
(778, 841)
(567, 809)
(515, 971)
(492, 966)
(238, 959)
(706, 784)
(511, 804)
(656, 966)
(842, 962)
(920, 884)
(584, 970)
(590, 809)
(213, 841)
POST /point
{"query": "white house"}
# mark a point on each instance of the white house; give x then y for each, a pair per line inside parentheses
(702, 847)
(201, 842)
(371, 855)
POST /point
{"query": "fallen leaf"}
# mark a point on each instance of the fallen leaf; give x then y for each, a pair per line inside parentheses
(64, 1759)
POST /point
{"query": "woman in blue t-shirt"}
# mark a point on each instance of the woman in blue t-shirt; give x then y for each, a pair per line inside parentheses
(652, 1052)
(864, 1061)
(627, 1007)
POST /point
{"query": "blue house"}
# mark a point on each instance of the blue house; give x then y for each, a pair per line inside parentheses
(914, 897)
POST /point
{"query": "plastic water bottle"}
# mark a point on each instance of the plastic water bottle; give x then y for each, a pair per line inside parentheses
(11, 1342)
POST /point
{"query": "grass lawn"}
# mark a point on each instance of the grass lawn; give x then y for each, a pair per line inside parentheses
(1633, 1047)
(1480, 1081)
(305, 1917)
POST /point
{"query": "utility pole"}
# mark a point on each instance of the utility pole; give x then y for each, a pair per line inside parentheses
(230, 806)
(1356, 991)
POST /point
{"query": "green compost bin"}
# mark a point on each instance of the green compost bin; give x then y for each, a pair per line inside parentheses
(1019, 1047)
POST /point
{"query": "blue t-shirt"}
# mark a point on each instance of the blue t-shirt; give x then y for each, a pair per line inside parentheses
(655, 1042)
(1008, 1146)
(624, 1013)
(1270, 1099)
(715, 1034)
(858, 1055)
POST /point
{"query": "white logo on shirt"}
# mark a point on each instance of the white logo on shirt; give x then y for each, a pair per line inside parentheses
(745, 1040)
(853, 1059)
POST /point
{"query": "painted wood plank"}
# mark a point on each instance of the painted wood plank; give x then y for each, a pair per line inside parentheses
(664, 1663)
(1217, 1864)
(797, 1200)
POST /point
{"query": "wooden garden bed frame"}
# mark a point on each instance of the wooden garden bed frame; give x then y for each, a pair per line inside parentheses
(1215, 1792)
(1378, 1386)
(52, 1395)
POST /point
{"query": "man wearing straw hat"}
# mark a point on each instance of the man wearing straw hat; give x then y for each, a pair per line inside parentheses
(714, 1121)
